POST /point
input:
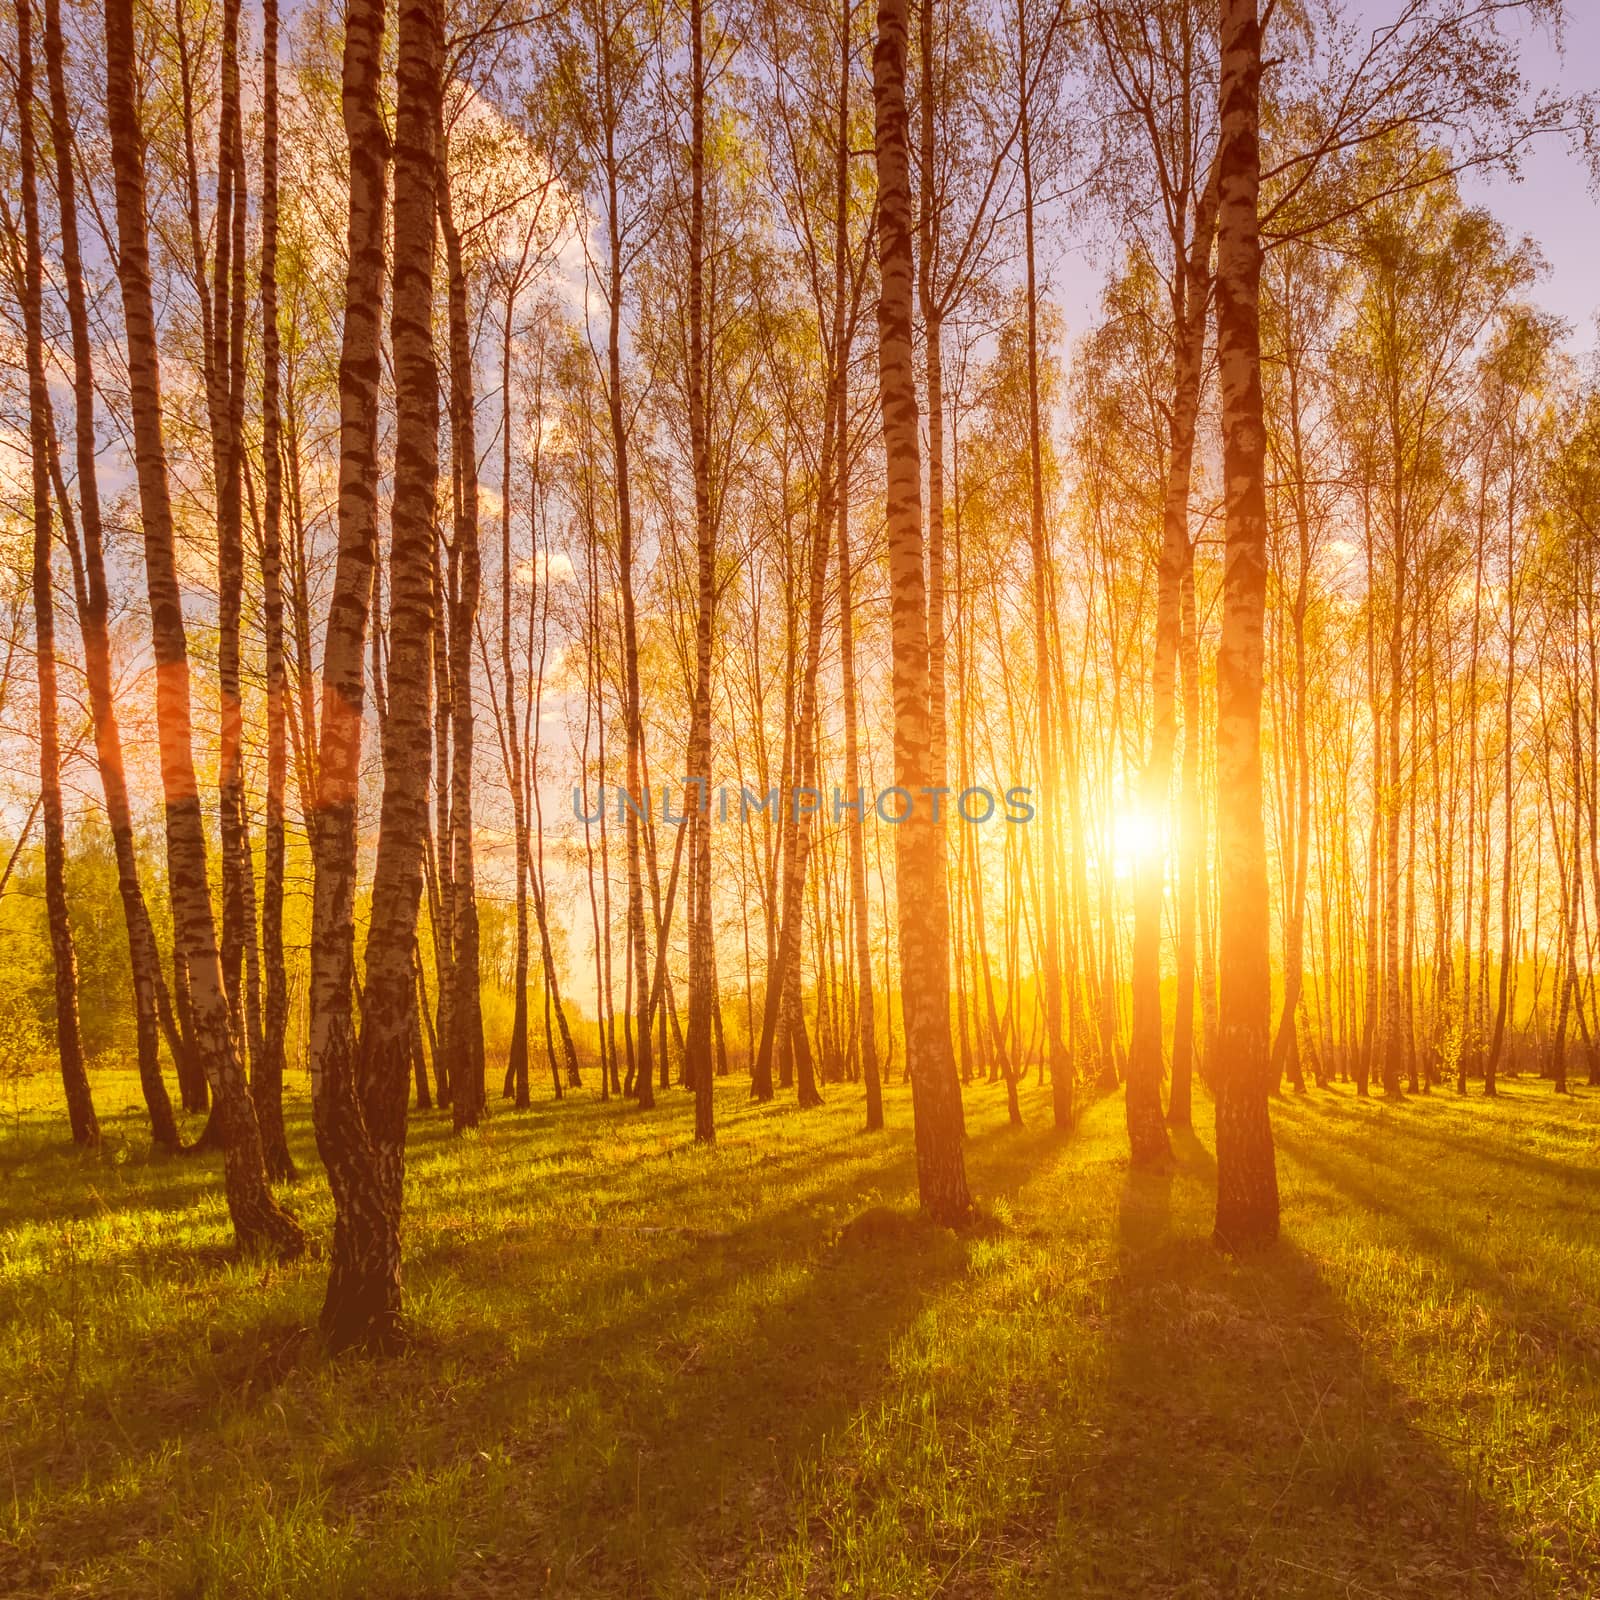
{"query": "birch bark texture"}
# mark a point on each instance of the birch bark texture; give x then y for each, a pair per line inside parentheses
(362, 1308)
(260, 1224)
(921, 900)
(1247, 1177)
(93, 606)
(69, 1038)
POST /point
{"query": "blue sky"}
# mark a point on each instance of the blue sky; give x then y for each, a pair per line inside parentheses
(1552, 200)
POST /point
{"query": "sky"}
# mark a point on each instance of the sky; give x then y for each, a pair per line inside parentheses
(1552, 199)
(1554, 202)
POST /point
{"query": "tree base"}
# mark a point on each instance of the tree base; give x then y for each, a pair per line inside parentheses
(1243, 1233)
(364, 1331)
(271, 1231)
(281, 1167)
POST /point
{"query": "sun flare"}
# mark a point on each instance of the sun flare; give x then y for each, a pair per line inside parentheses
(1136, 836)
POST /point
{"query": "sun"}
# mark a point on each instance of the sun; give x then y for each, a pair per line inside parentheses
(1135, 836)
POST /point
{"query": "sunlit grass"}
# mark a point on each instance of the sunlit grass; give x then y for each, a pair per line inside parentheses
(643, 1368)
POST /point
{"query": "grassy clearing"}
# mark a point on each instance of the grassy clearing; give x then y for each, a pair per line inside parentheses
(648, 1370)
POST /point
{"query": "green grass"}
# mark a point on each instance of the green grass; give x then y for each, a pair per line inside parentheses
(643, 1369)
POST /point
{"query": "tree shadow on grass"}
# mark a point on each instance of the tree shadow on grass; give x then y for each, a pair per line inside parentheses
(631, 1410)
(1245, 1444)
(1520, 1274)
(648, 1374)
(696, 1377)
(1499, 1275)
(690, 1429)
(1437, 1123)
(57, 1182)
(671, 1442)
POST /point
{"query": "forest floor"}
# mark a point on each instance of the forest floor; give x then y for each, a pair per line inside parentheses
(645, 1369)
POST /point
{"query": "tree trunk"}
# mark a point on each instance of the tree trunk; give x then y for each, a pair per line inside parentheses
(919, 839)
(333, 811)
(1369, 1010)
(1147, 1135)
(928, 230)
(267, 1070)
(531, 743)
(69, 1041)
(1191, 846)
(443, 900)
(855, 825)
(367, 1124)
(467, 1061)
(259, 1223)
(1286, 1048)
(1571, 994)
(1390, 801)
(93, 614)
(1247, 1180)
(516, 1083)
(702, 999)
(1508, 955)
(1210, 1025)
(1048, 815)
(421, 1024)
(227, 425)
(610, 113)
